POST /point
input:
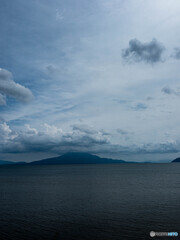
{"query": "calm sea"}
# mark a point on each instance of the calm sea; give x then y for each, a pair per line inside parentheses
(79, 202)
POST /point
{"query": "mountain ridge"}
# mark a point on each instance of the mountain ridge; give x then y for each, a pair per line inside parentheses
(76, 158)
(176, 160)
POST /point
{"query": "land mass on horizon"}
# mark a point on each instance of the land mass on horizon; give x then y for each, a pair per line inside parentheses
(74, 158)
(69, 158)
(177, 160)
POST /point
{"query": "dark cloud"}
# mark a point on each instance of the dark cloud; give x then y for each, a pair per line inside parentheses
(137, 51)
(169, 91)
(12, 89)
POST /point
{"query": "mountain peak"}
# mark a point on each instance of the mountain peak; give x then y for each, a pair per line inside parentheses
(77, 158)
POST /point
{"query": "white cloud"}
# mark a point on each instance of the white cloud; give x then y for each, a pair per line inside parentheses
(5, 129)
(54, 140)
(52, 130)
(30, 130)
(49, 139)
(6, 133)
(12, 89)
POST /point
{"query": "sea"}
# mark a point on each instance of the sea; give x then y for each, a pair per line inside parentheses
(89, 202)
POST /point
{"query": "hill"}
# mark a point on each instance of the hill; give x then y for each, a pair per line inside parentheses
(176, 160)
(76, 158)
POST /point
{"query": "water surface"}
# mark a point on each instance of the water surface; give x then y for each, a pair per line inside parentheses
(108, 202)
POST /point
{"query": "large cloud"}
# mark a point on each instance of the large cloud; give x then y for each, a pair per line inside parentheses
(12, 89)
(54, 140)
(49, 139)
(150, 52)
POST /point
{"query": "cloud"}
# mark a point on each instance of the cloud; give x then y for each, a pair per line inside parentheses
(51, 69)
(84, 128)
(12, 89)
(170, 146)
(176, 53)
(57, 142)
(60, 14)
(4, 129)
(50, 139)
(6, 134)
(2, 100)
(150, 52)
(30, 130)
(149, 98)
(169, 91)
(122, 132)
(140, 106)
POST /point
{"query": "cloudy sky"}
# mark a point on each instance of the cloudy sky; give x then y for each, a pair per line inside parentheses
(98, 76)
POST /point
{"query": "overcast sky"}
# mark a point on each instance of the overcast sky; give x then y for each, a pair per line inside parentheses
(98, 76)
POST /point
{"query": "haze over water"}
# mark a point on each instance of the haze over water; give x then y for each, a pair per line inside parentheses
(69, 202)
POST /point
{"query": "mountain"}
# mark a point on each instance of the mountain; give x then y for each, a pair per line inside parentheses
(176, 160)
(76, 158)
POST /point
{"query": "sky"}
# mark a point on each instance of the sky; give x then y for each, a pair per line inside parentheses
(93, 76)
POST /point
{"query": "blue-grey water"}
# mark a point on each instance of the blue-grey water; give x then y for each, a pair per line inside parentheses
(79, 202)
